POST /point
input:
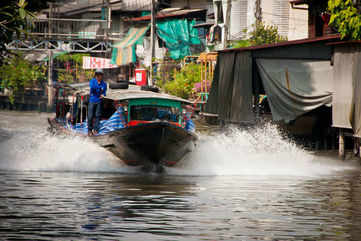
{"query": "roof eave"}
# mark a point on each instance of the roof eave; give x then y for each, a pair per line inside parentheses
(334, 37)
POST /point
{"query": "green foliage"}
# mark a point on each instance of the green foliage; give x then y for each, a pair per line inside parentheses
(346, 18)
(17, 74)
(75, 73)
(240, 43)
(14, 19)
(184, 81)
(262, 34)
(265, 34)
(75, 58)
(16, 16)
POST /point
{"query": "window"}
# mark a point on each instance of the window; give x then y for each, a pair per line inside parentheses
(154, 113)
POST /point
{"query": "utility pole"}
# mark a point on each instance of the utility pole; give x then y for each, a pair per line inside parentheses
(108, 15)
(50, 63)
(227, 4)
(152, 42)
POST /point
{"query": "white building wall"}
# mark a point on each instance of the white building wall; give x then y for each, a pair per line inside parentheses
(238, 20)
(298, 23)
(291, 23)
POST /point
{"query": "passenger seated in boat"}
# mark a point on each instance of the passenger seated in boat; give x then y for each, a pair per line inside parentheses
(120, 109)
(164, 115)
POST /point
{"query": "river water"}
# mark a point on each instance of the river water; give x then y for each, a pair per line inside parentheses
(238, 185)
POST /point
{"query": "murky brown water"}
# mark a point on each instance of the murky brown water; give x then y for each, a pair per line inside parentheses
(68, 189)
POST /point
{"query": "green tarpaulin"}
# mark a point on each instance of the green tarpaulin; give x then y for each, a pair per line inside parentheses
(178, 35)
(123, 52)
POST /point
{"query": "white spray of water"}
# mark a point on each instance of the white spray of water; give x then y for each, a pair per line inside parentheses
(43, 152)
(261, 151)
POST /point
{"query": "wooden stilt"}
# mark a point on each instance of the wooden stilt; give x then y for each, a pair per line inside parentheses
(356, 146)
(341, 144)
(359, 148)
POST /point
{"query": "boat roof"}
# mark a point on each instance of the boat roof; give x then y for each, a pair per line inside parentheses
(141, 94)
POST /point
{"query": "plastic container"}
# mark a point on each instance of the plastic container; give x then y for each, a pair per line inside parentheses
(141, 77)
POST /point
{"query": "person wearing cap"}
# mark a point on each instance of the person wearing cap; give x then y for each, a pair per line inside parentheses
(98, 89)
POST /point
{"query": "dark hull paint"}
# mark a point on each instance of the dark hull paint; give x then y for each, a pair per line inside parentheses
(158, 143)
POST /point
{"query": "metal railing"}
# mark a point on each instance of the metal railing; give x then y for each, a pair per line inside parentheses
(58, 28)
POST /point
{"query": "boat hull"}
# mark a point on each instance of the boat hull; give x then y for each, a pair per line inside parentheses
(157, 143)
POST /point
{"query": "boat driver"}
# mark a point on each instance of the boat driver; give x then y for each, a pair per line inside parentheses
(98, 89)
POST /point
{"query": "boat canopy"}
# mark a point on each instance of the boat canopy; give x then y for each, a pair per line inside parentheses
(139, 94)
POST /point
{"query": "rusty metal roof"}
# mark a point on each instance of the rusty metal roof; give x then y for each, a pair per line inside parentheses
(202, 25)
(298, 2)
(334, 37)
(169, 14)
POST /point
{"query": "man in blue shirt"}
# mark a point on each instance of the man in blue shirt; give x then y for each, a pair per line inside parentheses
(98, 89)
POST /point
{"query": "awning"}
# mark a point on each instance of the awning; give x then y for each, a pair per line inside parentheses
(179, 13)
(124, 51)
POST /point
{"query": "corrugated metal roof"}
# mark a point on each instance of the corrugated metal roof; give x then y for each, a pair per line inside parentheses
(139, 94)
(167, 14)
(334, 37)
(76, 6)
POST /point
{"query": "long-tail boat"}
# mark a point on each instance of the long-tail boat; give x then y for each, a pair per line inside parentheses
(139, 127)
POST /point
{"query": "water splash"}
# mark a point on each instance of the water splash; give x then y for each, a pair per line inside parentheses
(255, 152)
(261, 151)
(44, 152)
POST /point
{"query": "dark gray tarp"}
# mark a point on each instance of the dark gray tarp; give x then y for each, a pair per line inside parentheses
(342, 98)
(295, 87)
(242, 89)
(356, 99)
(231, 92)
(225, 85)
(346, 104)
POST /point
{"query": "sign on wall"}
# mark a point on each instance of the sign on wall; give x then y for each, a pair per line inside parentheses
(97, 63)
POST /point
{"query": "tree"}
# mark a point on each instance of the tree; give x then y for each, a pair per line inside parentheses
(17, 74)
(265, 34)
(262, 34)
(184, 81)
(71, 70)
(14, 19)
(346, 18)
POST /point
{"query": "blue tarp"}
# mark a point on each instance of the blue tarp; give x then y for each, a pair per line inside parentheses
(115, 122)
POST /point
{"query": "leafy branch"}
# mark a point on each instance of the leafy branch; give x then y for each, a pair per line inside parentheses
(346, 18)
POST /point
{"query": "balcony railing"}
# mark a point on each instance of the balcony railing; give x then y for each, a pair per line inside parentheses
(57, 28)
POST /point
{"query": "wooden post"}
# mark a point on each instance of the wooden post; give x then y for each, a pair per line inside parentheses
(50, 79)
(341, 144)
(152, 42)
(50, 62)
(81, 109)
(356, 146)
(359, 147)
